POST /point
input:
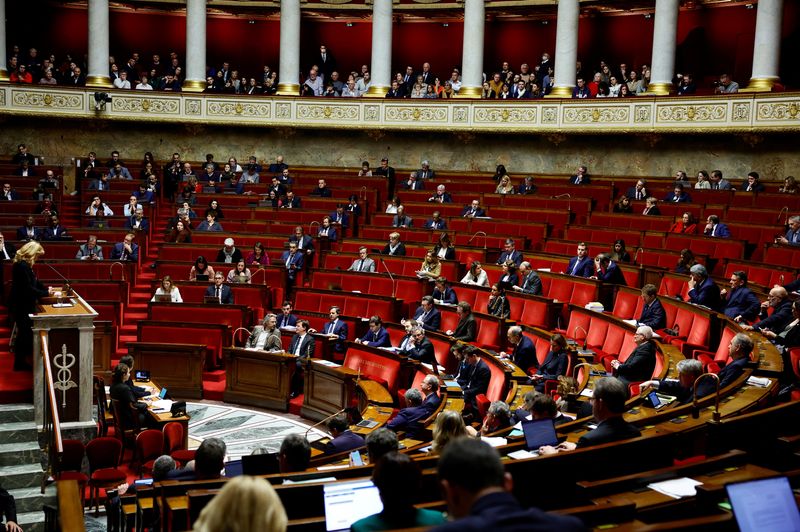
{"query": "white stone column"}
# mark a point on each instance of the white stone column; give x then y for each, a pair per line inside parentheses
(289, 71)
(665, 32)
(767, 47)
(381, 65)
(566, 48)
(472, 55)
(97, 76)
(195, 46)
(3, 65)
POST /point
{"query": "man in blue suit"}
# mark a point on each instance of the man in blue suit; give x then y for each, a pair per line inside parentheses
(376, 336)
(739, 350)
(220, 290)
(781, 312)
(443, 293)
(336, 328)
(293, 260)
(340, 217)
(653, 314)
(581, 265)
(343, 438)
(792, 237)
(740, 302)
(287, 319)
(427, 316)
(510, 253)
(678, 195)
(524, 352)
(418, 409)
(715, 228)
(126, 251)
(436, 222)
(581, 176)
(607, 270)
(302, 346)
(702, 289)
(473, 210)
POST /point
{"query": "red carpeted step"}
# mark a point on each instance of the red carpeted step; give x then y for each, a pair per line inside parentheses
(133, 316)
(213, 390)
(296, 404)
(214, 376)
(136, 306)
(124, 338)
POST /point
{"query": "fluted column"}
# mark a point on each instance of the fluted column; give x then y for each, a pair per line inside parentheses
(665, 32)
(566, 48)
(381, 65)
(195, 46)
(767, 47)
(472, 55)
(97, 76)
(289, 71)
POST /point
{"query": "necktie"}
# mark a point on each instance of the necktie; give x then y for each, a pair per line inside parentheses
(713, 231)
(288, 260)
(578, 181)
(219, 294)
(361, 266)
(715, 186)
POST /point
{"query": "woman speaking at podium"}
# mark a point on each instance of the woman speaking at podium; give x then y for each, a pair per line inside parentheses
(25, 293)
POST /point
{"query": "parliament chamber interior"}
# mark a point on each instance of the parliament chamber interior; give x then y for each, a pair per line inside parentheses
(248, 284)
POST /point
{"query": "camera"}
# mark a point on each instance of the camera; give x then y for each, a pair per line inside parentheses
(100, 100)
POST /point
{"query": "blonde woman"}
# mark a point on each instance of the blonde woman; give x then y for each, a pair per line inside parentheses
(504, 186)
(26, 289)
(244, 503)
(168, 289)
(431, 267)
(448, 426)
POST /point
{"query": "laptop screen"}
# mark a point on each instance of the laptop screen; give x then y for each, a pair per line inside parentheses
(347, 502)
(764, 504)
(142, 375)
(260, 464)
(539, 432)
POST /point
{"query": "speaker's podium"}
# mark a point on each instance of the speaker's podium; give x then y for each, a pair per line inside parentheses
(328, 389)
(67, 322)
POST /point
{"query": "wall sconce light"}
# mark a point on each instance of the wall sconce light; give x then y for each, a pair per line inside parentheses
(349, 24)
(445, 25)
(648, 16)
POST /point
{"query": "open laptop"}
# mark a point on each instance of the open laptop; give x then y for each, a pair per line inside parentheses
(211, 300)
(260, 464)
(347, 502)
(539, 432)
(202, 277)
(766, 504)
(163, 298)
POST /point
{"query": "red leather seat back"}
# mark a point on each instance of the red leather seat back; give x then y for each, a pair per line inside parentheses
(628, 345)
(578, 321)
(583, 294)
(488, 334)
(449, 319)
(560, 289)
(382, 369)
(597, 333)
(700, 332)
(625, 305)
(497, 384)
(725, 340)
(614, 338)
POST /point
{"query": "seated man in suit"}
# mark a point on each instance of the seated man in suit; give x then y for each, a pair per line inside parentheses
(443, 293)
(305, 244)
(267, 336)
(401, 220)
(678, 195)
(208, 462)
(422, 349)
(138, 222)
(425, 172)
(580, 265)
(292, 201)
(510, 253)
(476, 379)
(524, 352)
(715, 228)
(340, 218)
(293, 260)
(702, 289)
(781, 315)
(608, 405)
(653, 314)
(287, 319)
(302, 346)
(138, 391)
(336, 328)
(343, 438)
(55, 231)
(436, 222)
(741, 304)
(441, 195)
(412, 183)
(581, 176)
(363, 263)
(29, 231)
(466, 329)
(752, 183)
(7, 250)
(322, 190)
(9, 194)
(641, 362)
(638, 192)
(394, 248)
(688, 371)
(792, 237)
(90, 250)
(473, 210)
(739, 350)
(427, 316)
(126, 251)
(607, 270)
(419, 408)
(294, 454)
(376, 336)
(530, 282)
(220, 290)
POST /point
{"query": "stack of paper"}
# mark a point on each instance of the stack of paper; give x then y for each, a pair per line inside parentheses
(676, 488)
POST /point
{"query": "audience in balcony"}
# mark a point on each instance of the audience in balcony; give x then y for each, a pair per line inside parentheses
(726, 85)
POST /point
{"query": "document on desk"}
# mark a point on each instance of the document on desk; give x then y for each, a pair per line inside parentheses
(452, 384)
(762, 382)
(494, 441)
(327, 363)
(430, 367)
(676, 488)
(522, 454)
(161, 404)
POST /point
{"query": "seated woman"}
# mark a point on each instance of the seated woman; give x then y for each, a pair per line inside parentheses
(448, 426)
(394, 247)
(327, 229)
(554, 365)
(168, 289)
(215, 209)
(498, 304)
(790, 186)
(498, 418)
(619, 253)
(444, 248)
(127, 405)
(393, 205)
(651, 207)
(210, 224)
(686, 225)
(257, 257)
(510, 273)
(476, 275)
(240, 274)
(623, 205)
(431, 267)
(703, 182)
(685, 262)
(180, 233)
(504, 186)
(201, 267)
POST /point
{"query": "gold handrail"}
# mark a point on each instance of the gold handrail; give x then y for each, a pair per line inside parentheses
(50, 419)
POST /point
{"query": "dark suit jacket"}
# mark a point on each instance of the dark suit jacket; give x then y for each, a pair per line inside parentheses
(226, 293)
(742, 302)
(379, 339)
(441, 224)
(612, 275)
(416, 185)
(14, 196)
(433, 322)
(236, 257)
(10, 250)
(295, 203)
(722, 231)
(631, 193)
(55, 233)
(400, 251)
(344, 219)
(612, 429)
(524, 354)
(780, 318)
(584, 180)
(683, 198)
(116, 253)
(515, 255)
(8, 506)
(525, 189)
(727, 375)
(444, 198)
(450, 254)
(585, 268)
(554, 365)
(653, 315)
(468, 212)
(639, 365)
(287, 321)
(138, 391)
(467, 329)
(477, 382)
(295, 265)
(142, 227)
(22, 234)
(423, 352)
(449, 295)
(532, 284)
(25, 291)
(673, 387)
(340, 330)
(707, 294)
(346, 441)
(307, 347)
(308, 243)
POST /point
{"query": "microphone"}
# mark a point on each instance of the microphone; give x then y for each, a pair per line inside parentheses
(324, 420)
(476, 234)
(394, 283)
(311, 225)
(243, 329)
(636, 255)
(67, 286)
(786, 210)
(111, 270)
(585, 334)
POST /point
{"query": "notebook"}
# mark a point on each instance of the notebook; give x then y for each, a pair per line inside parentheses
(539, 432)
(347, 502)
(764, 504)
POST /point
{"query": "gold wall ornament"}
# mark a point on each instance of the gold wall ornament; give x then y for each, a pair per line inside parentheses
(376, 135)
(283, 111)
(48, 99)
(396, 113)
(460, 114)
(286, 132)
(138, 104)
(752, 139)
(589, 115)
(556, 138)
(641, 114)
(777, 111)
(651, 139)
(740, 112)
(496, 114)
(193, 107)
(60, 102)
(249, 109)
(372, 113)
(713, 112)
(550, 114)
(465, 137)
(328, 112)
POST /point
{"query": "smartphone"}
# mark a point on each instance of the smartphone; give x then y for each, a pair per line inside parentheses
(355, 459)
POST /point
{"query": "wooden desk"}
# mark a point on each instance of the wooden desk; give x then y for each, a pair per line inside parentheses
(328, 389)
(179, 367)
(258, 378)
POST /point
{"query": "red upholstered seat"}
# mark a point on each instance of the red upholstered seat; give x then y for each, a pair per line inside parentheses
(104, 455)
(720, 356)
(174, 443)
(488, 334)
(401, 393)
(70, 464)
(625, 305)
(149, 446)
(495, 391)
(384, 370)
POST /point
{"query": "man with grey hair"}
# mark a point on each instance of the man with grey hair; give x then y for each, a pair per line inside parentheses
(739, 350)
(792, 237)
(530, 283)
(681, 388)
(162, 465)
(608, 405)
(441, 195)
(781, 315)
(425, 172)
(266, 336)
(702, 289)
(380, 442)
(641, 362)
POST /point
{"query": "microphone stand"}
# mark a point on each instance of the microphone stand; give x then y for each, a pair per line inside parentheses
(394, 283)
(324, 420)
